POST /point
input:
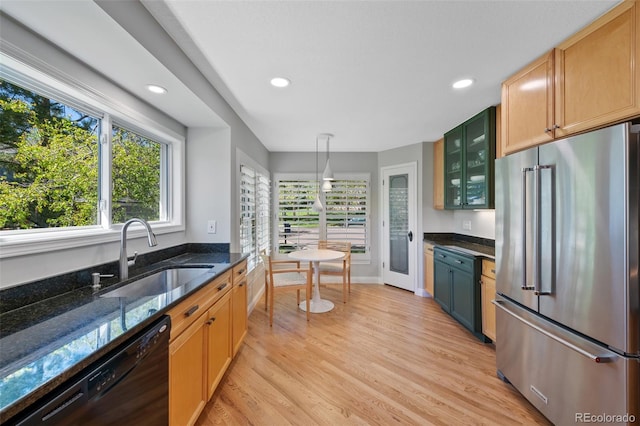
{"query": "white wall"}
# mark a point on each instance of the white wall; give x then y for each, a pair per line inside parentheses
(482, 223)
(208, 189)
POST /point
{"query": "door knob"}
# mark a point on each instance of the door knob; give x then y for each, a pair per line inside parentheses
(410, 236)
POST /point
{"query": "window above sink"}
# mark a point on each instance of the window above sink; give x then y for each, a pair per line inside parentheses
(89, 144)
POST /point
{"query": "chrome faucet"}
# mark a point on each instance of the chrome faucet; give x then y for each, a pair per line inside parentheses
(124, 260)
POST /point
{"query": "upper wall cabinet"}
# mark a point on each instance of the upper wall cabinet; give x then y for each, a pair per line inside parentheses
(589, 81)
(469, 153)
(527, 106)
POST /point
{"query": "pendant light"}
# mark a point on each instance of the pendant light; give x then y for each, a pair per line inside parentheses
(317, 204)
(328, 173)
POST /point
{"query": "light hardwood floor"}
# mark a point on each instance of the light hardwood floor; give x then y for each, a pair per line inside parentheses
(386, 357)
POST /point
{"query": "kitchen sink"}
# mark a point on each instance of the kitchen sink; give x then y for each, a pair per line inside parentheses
(162, 282)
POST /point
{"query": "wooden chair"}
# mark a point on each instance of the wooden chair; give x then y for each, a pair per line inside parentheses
(341, 268)
(283, 275)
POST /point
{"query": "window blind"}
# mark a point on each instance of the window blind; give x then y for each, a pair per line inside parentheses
(254, 213)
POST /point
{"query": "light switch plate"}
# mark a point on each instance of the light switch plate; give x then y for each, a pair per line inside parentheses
(211, 227)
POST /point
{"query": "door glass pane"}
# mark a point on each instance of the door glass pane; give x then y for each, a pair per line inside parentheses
(399, 223)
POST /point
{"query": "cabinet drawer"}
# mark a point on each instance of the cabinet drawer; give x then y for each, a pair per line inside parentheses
(460, 261)
(239, 272)
(187, 311)
(489, 268)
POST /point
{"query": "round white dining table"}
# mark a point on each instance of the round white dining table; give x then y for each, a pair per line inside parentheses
(316, 256)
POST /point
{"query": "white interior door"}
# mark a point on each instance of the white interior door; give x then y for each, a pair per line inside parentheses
(399, 225)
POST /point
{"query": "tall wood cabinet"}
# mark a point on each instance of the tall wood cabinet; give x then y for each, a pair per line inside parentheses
(590, 80)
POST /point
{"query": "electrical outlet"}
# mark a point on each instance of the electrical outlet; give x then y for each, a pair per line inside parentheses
(211, 227)
(466, 224)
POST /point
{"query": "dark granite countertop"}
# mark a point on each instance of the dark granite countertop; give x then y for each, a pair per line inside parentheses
(463, 243)
(45, 342)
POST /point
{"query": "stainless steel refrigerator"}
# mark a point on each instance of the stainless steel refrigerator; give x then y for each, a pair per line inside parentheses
(568, 302)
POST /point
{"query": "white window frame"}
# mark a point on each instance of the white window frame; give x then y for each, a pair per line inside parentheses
(30, 241)
(363, 258)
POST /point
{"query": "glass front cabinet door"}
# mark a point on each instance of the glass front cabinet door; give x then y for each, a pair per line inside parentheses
(469, 157)
(453, 168)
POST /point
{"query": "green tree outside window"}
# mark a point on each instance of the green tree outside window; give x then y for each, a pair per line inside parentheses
(49, 165)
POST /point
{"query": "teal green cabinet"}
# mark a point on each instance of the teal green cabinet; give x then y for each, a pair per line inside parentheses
(469, 155)
(442, 285)
(457, 290)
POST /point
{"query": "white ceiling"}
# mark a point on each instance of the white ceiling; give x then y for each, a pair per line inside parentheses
(377, 74)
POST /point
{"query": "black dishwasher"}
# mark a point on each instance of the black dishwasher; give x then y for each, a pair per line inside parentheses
(129, 387)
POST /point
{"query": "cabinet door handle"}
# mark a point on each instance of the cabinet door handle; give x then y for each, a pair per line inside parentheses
(493, 271)
(211, 320)
(241, 271)
(242, 283)
(458, 261)
(191, 310)
(222, 286)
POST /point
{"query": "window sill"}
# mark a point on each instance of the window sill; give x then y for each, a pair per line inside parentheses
(50, 240)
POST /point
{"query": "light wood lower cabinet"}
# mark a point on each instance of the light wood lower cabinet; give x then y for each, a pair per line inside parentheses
(187, 394)
(200, 350)
(218, 335)
(488, 286)
(239, 305)
(428, 268)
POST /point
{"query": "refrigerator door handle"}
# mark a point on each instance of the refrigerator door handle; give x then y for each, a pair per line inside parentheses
(537, 230)
(523, 228)
(598, 358)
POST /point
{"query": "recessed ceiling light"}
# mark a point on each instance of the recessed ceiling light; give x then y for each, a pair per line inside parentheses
(280, 82)
(156, 89)
(460, 84)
